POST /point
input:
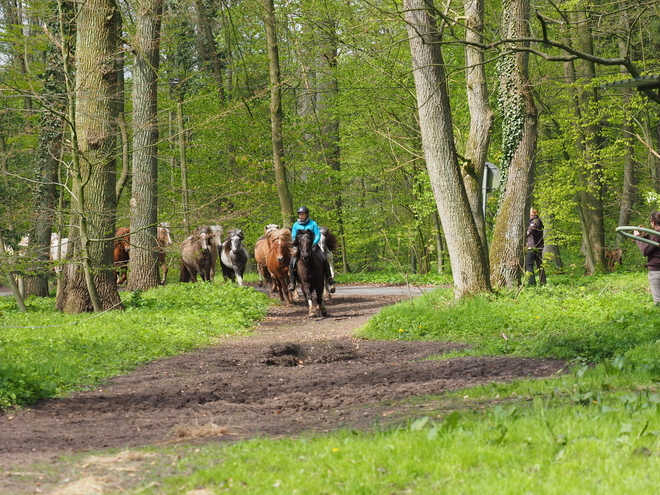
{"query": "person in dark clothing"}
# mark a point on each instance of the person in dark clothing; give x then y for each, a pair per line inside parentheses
(652, 254)
(535, 248)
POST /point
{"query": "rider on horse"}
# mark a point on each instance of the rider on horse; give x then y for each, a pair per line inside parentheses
(306, 223)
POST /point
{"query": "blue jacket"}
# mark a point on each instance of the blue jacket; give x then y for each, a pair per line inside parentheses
(308, 224)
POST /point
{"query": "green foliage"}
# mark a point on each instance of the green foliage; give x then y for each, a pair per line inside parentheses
(45, 353)
(589, 320)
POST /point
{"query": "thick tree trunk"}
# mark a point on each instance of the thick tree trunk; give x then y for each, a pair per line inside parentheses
(519, 136)
(281, 183)
(94, 171)
(467, 252)
(143, 272)
(481, 116)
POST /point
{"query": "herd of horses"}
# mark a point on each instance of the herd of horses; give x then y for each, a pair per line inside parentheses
(202, 249)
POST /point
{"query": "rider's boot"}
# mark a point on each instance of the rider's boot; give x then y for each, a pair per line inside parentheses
(328, 275)
(292, 269)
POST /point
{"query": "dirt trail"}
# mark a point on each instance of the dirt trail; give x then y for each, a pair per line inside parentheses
(293, 375)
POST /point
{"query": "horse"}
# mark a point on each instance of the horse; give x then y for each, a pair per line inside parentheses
(164, 240)
(196, 255)
(261, 252)
(328, 244)
(277, 262)
(216, 243)
(234, 256)
(310, 272)
(612, 257)
(121, 253)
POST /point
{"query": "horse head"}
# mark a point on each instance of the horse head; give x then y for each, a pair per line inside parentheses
(280, 242)
(305, 242)
(217, 235)
(236, 237)
(204, 237)
(164, 237)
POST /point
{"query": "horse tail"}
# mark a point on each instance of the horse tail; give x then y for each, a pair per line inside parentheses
(331, 242)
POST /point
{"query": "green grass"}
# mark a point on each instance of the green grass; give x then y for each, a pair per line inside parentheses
(588, 319)
(47, 353)
(592, 430)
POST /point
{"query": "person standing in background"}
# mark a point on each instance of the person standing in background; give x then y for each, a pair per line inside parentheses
(535, 248)
(652, 254)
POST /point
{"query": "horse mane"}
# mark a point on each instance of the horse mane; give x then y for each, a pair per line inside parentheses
(238, 232)
(280, 234)
(302, 233)
(331, 241)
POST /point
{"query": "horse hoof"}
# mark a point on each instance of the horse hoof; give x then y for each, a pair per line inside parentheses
(332, 289)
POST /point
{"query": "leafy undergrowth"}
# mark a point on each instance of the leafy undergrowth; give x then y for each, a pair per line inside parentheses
(584, 320)
(47, 353)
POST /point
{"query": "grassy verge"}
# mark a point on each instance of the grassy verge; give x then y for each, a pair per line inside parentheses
(46, 353)
(593, 430)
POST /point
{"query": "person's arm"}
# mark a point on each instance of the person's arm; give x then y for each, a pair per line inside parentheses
(317, 233)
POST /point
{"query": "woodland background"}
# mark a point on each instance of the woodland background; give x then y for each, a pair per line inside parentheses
(341, 88)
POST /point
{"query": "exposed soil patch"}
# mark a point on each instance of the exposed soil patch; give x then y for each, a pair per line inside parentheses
(295, 374)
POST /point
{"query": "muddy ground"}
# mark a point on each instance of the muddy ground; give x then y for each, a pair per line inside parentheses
(292, 375)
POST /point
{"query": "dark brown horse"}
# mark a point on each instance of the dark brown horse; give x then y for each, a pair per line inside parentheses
(120, 254)
(310, 272)
(196, 255)
(164, 241)
(277, 262)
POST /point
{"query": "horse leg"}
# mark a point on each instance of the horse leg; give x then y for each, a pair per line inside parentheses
(237, 274)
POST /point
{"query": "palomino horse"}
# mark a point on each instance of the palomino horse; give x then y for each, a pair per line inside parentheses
(328, 244)
(234, 256)
(196, 255)
(120, 254)
(164, 240)
(277, 262)
(261, 252)
(310, 272)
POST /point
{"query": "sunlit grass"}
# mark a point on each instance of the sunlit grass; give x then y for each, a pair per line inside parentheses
(45, 353)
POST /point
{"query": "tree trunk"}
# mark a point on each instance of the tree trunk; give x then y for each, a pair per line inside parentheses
(481, 116)
(286, 201)
(93, 141)
(183, 162)
(467, 252)
(519, 135)
(208, 50)
(143, 272)
(589, 166)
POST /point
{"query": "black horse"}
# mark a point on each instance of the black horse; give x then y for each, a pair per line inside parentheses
(310, 272)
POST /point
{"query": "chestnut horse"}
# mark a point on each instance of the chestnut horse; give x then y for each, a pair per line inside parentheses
(260, 254)
(164, 240)
(120, 254)
(310, 272)
(196, 255)
(277, 262)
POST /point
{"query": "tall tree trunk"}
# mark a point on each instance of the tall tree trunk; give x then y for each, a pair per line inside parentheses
(519, 136)
(94, 169)
(629, 192)
(144, 197)
(183, 162)
(589, 166)
(481, 116)
(208, 50)
(467, 253)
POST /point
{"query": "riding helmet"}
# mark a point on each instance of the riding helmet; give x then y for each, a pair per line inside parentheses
(303, 209)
